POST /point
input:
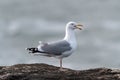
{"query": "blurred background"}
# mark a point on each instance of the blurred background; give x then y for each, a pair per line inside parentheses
(24, 22)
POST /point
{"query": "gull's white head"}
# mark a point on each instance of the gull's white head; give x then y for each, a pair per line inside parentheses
(74, 25)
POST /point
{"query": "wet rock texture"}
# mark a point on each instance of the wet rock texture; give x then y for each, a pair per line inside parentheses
(48, 72)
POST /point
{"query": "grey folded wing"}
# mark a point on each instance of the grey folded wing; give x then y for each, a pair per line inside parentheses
(56, 48)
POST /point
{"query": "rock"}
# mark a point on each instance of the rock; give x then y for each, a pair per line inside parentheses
(48, 72)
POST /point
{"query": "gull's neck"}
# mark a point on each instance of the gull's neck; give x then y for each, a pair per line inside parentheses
(70, 35)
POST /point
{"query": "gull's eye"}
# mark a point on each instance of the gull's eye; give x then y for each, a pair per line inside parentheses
(72, 24)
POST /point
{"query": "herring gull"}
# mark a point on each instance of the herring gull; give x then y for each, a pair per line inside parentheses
(59, 49)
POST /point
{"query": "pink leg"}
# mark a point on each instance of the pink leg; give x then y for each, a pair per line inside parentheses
(60, 63)
(61, 68)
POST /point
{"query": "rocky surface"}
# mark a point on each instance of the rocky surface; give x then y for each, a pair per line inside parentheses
(48, 72)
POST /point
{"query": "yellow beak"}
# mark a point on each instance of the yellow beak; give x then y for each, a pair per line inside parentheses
(79, 26)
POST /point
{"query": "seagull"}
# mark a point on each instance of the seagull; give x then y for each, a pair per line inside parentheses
(59, 49)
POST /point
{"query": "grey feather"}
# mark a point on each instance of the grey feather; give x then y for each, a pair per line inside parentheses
(56, 48)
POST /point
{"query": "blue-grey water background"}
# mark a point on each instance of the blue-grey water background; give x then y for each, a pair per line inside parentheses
(24, 22)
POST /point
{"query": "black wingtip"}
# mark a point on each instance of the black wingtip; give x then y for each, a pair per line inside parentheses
(32, 50)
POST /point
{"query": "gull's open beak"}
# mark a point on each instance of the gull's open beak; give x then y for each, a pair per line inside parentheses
(79, 26)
